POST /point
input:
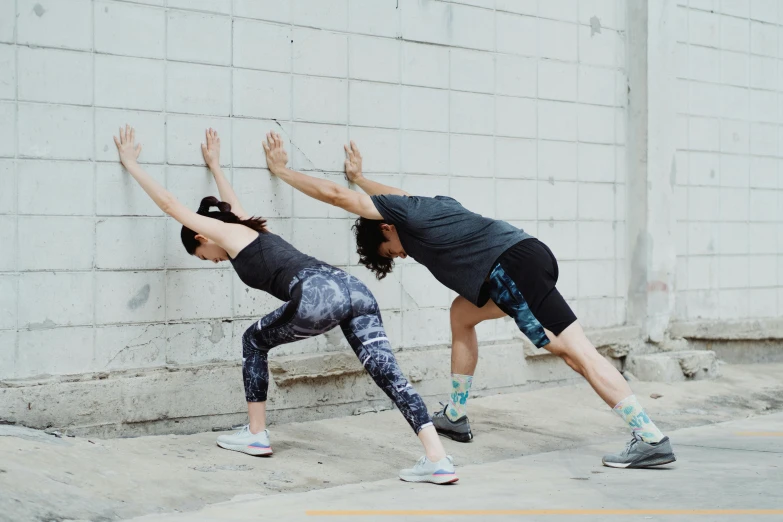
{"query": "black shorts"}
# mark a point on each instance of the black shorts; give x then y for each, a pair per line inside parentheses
(522, 284)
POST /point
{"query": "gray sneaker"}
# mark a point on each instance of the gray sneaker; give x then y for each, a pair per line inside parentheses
(458, 430)
(640, 454)
(441, 472)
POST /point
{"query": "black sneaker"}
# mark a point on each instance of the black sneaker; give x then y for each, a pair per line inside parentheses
(640, 454)
(458, 430)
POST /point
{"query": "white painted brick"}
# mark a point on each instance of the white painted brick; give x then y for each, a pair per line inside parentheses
(472, 156)
(214, 6)
(259, 45)
(734, 34)
(515, 117)
(327, 14)
(566, 10)
(557, 200)
(599, 48)
(425, 109)
(380, 148)
(429, 186)
(681, 59)
(8, 295)
(323, 100)
(8, 195)
(734, 204)
(42, 23)
(130, 297)
(515, 75)
(8, 129)
(117, 29)
(50, 75)
(36, 357)
(596, 240)
(734, 101)
(193, 343)
(45, 236)
(596, 162)
(198, 89)
(117, 193)
(702, 272)
(426, 326)
(319, 147)
(680, 203)
(764, 172)
(8, 239)
(420, 289)
(54, 131)
(515, 158)
(516, 34)
(129, 83)
(763, 105)
(557, 120)
(374, 104)
(185, 134)
(739, 8)
(596, 201)
(191, 184)
(125, 347)
(516, 199)
(425, 152)
(763, 205)
(472, 27)
(734, 238)
(764, 10)
(763, 139)
(320, 52)
(682, 25)
(704, 134)
(761, 237)
(198, 294)
(620, 121)
(116, 251)
(703, 28)
(764, 39)
(558, 81)
(472, 113)
(263, 194)
(596, 124)
(150, 130)
(472, 71)
(55, 298)
(763, 302)
(596, 278)
(55, 188)
(557, 160)
(425, 65)
(7, 72)
(378, 18)
(597, 85)
(763, 72)
(681, 132)
(274, 10)
(606, 11)
(763, 271)
(733, 272)
(248, 136)
(558, 40)
(325, 239)
(703, 204)
(597, 313)
(376, 59)
(567, 281)
(704, 64)
(529, 7)
(703, 168)
(735, 68)
(198, 37)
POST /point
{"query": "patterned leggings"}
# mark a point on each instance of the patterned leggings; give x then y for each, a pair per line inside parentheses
(323, 297)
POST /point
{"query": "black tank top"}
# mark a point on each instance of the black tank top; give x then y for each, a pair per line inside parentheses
(269, 263)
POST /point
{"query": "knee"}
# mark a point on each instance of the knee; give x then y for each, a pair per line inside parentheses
(248, 342)
(579, 357)
(460, 315)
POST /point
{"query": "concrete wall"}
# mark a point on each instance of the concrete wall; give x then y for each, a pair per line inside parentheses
(729, 202)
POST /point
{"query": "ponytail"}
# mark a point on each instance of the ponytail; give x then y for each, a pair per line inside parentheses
(223, 214)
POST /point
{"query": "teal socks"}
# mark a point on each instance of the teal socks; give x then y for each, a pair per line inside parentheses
(634, 415)
(460, 389)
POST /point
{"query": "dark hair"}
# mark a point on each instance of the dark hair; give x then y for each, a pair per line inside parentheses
(223, 214)
(369, 237)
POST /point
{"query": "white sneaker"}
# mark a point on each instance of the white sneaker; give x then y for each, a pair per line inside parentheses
(251, 443)
(441, 472)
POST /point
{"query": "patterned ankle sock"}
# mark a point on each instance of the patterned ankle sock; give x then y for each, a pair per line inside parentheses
(634, 415)
(460, 388)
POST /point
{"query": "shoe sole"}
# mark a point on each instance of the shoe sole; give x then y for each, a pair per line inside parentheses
(660, 461)
(256, 452)
(458, 437)
(432, 479)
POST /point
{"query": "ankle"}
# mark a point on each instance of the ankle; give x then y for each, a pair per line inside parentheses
(436, 457)
(255, 429)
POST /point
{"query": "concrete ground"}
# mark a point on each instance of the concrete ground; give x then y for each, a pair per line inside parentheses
(506, 467)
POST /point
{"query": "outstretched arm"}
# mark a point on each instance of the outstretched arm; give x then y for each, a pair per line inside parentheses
(216, 230)
(353, 171)
(320, 189)
(211, 152)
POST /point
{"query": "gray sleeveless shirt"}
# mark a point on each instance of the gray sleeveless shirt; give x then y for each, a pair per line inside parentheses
(269, 263)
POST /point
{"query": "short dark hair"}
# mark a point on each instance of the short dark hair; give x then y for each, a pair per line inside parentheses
(369, 237)
(224, 214)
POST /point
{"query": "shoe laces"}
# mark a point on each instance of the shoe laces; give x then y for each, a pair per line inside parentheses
(635, 439)
(442, 411)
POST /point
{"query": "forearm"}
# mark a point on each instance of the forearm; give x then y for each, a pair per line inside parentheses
(320, 189)
(373, 188)
(162, 197)
(226, 191)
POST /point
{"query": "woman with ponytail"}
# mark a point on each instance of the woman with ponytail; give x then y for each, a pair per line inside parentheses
(318, 297)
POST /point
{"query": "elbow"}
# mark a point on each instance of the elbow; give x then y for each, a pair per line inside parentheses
(167, 203)
(335, 196)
